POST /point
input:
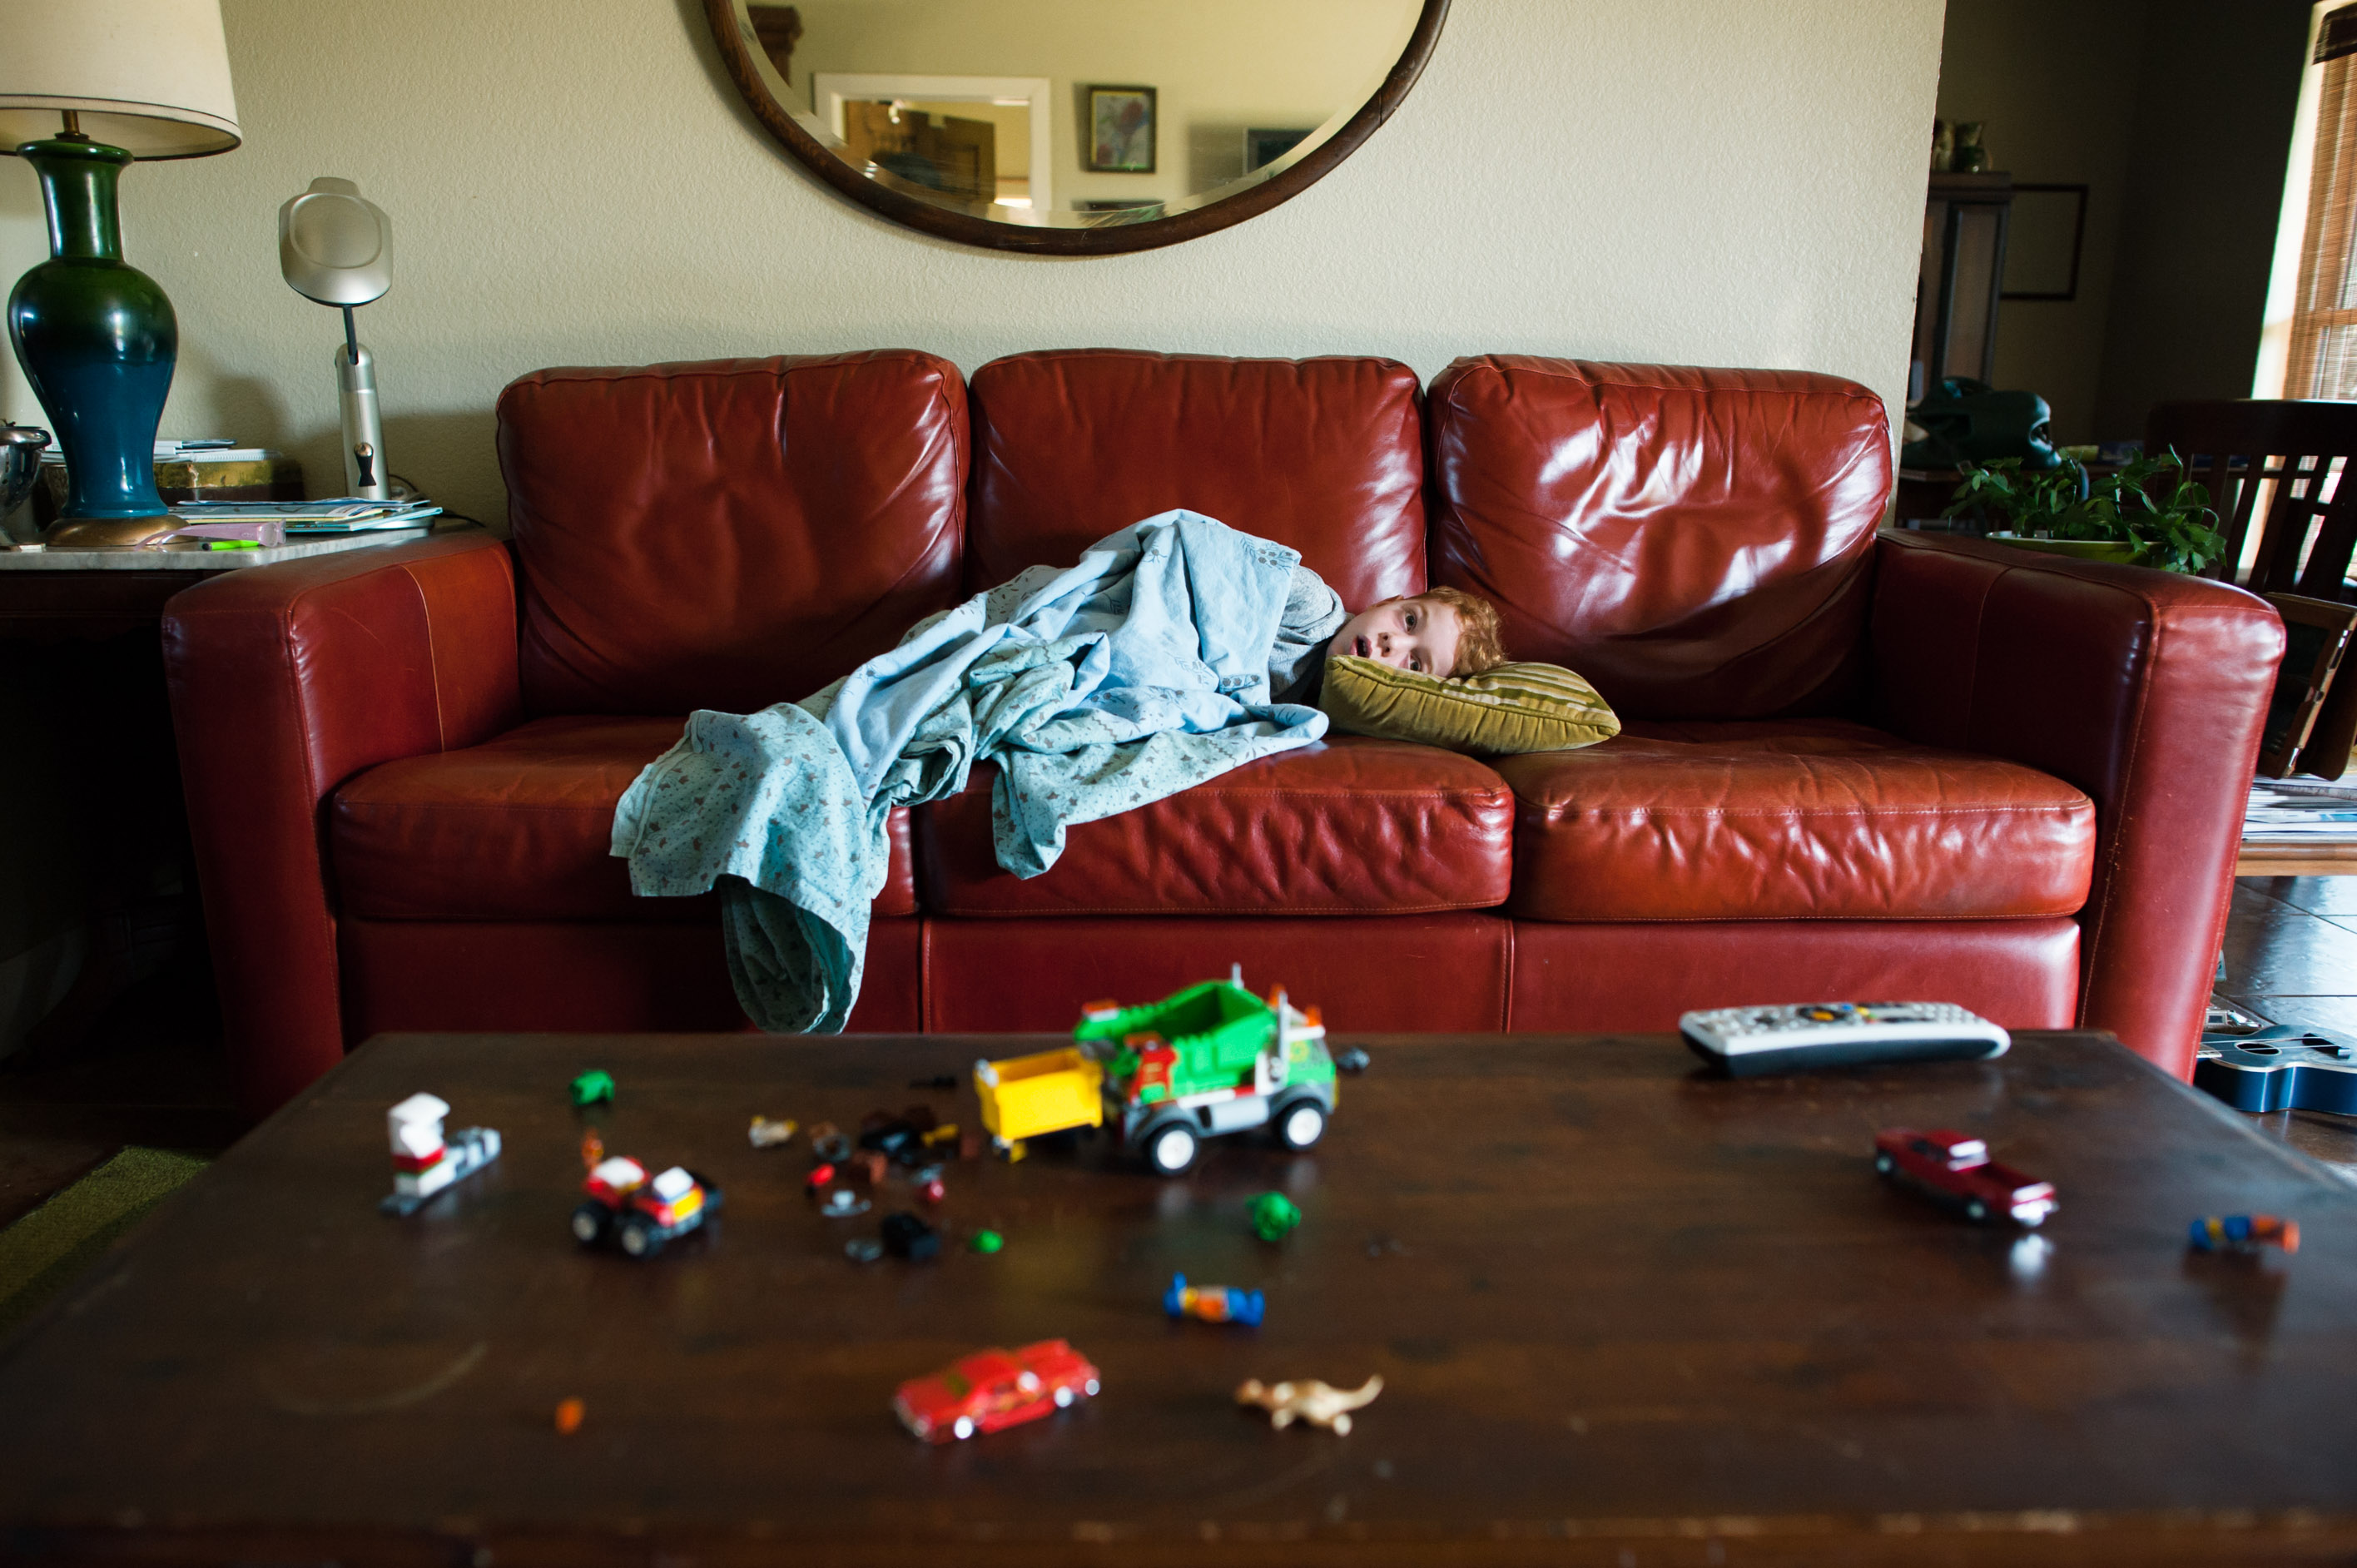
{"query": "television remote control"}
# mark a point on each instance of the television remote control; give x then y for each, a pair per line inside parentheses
(1746, 1041)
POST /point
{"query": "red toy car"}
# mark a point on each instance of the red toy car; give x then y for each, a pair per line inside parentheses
(1954, 1169)
(994, 1389)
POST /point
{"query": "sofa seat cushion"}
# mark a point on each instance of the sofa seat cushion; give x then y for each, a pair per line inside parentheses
(1782, 820)
(518, 829)
(1345, 826)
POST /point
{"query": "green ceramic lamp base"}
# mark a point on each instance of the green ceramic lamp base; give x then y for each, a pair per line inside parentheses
(97, 338)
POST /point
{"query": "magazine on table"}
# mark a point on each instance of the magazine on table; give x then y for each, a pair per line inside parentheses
(2301, 809)
(346, 514)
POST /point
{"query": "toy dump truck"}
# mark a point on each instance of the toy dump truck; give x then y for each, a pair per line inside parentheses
(1211, 1060)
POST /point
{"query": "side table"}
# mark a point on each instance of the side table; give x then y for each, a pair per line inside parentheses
(91, 765)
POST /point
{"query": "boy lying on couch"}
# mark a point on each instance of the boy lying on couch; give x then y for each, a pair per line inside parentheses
(1173, 650)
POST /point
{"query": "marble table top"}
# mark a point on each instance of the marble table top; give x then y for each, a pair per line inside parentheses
(174, 558)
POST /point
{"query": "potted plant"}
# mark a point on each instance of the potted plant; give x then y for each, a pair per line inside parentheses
(2146, 513)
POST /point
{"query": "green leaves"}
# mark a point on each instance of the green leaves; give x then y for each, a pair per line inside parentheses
(2149, 503)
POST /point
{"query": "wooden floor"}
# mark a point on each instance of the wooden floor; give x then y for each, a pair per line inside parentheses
(152, 1073)
(2291, 958)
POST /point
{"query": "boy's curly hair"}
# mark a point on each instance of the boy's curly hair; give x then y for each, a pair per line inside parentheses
(1477, 647)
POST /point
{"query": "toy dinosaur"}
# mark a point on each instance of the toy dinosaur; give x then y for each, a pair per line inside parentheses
(1320, 1404)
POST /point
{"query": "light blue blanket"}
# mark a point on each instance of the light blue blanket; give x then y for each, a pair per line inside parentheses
(1143, 669)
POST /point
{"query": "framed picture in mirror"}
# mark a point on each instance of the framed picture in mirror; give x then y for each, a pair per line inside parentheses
(1263, 147)
(1121, 130)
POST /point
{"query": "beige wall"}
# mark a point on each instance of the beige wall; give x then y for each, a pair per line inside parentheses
(1714, 181)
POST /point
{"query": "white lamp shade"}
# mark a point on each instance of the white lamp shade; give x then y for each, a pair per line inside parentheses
(149, 76)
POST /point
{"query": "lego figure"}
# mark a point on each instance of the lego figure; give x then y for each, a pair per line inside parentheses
(1320, 1404)
(1213, 1304)
(2243, 1233)
(423, 1164)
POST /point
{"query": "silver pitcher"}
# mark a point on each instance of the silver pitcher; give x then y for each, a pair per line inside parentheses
(20, 464)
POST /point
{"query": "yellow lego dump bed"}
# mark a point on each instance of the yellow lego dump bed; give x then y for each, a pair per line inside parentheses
(1024, 1096)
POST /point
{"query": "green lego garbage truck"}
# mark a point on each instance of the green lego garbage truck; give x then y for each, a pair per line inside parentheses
(1211, 1060)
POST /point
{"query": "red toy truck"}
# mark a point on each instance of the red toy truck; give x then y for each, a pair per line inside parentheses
(1954, 1169)
(634, 1211)
(991, 1390)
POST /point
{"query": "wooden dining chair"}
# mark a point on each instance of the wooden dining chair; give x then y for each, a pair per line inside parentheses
(2286, 456)
(2286, 463)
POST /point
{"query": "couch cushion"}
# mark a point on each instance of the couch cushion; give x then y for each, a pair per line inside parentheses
(1694, 542)
(730, 534)
(517, 829)
(1325, 455)
(1791, 820)
(1345, 826)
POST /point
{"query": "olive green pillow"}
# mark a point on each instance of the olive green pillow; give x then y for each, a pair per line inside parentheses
(1512, 708)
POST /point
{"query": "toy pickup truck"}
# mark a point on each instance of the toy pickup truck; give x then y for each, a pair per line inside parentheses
(1211, 1060)
(1954, 1170)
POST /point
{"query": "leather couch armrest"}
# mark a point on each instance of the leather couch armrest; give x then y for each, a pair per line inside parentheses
(285, 681)
(2146, 690)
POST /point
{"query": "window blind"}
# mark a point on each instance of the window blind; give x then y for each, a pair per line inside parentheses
(2323, 357)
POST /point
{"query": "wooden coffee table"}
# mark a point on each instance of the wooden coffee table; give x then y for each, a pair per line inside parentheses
(1625, 1314)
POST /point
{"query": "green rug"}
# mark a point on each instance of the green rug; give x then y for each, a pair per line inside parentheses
(46, 1250)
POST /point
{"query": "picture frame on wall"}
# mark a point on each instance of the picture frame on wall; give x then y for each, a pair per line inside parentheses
(1121, 130)
(2044, 242)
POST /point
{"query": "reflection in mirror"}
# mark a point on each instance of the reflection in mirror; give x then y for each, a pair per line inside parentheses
(977, 139)
(1070, 113)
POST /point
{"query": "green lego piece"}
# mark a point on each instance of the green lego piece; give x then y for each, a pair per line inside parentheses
(1274, 1215)
(594, 1089)
(987, 1241)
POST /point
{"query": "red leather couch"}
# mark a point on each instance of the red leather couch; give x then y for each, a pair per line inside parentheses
(1855, 764)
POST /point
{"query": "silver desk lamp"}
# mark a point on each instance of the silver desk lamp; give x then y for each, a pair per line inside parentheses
(336, 248)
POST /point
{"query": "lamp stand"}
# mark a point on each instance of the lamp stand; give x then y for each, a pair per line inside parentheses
(97, 339)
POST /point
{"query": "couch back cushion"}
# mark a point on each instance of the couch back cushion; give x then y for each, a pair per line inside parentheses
(1697, 542)
(1325, 455)
(727, 534)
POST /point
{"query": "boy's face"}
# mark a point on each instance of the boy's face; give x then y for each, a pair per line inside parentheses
(1406, 634)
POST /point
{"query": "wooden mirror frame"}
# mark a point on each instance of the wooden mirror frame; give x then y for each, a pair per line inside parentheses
(1109, 239)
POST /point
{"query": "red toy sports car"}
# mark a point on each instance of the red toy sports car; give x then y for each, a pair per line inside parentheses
(994, 1389)
(1954, 1169)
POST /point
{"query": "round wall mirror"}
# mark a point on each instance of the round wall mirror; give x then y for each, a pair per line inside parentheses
(1073, 127)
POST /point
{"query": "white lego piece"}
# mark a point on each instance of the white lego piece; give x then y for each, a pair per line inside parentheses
(416, 1125)
(620, 1173)
(427, 1182)
(673, 1184)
